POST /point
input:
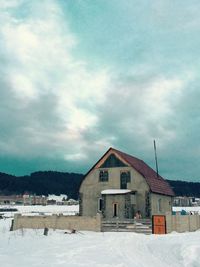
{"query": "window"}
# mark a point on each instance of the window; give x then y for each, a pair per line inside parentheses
(159, 205)
(103, 176)
(100, 204)
(125, 178)
(113, 161)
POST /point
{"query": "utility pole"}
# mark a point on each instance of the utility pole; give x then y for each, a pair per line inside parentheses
(154, 142)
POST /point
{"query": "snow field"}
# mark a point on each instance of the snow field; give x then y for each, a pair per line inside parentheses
(38, 209)
(28, 247)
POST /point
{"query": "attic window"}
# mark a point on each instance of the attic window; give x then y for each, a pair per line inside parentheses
(112, 161)
(103, 176)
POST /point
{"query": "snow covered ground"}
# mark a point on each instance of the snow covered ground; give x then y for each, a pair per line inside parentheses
(24, 248)
(38, 209)
(27, 247)
(188, 209)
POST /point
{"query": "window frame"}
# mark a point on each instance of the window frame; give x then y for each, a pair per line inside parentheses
(103, 177)
(127, 178)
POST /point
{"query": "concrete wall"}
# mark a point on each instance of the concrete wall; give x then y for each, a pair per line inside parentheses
(91, 188)
(109, 201)
(165, 204)
(178, 223)
(123, 207)
(58, 222)
(182, 223)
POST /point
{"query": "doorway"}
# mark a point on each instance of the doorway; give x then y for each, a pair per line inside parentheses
(115, 209)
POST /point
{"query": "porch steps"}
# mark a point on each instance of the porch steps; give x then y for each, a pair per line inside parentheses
(140, 226)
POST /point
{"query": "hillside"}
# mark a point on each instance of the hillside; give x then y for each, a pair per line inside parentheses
(42, 183)
(52, 182)
(185, 188)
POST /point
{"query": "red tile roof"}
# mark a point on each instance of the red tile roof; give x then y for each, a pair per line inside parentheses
(156, 184)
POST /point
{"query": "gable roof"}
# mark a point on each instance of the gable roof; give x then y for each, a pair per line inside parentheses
(156, 184)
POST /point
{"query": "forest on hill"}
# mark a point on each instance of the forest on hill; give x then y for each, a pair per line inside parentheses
(52, 182)
(185, 188)
(42, 183)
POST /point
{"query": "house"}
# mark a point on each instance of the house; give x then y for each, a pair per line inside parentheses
(180, 201)
(39, 200)
(11, 200)
(57, 200)
(183, 201)
(27, 199)
(119, 185)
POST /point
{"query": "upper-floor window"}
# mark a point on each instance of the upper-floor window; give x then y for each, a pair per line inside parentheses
(103, 176)
(125, 178)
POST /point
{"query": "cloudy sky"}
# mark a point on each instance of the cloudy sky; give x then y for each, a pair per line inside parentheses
(78, 77)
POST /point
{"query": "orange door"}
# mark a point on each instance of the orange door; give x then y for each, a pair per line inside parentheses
(159, 224)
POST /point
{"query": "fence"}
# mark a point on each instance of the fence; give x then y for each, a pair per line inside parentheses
(58, 222)
(182, 223)
(178, 223)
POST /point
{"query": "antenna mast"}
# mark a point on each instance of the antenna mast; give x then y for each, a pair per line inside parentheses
(154, 143)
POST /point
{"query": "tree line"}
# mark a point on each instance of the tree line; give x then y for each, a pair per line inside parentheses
(42, 183)
(52, 182)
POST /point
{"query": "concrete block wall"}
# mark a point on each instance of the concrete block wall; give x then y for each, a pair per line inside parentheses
(80, 223)
(182, 223)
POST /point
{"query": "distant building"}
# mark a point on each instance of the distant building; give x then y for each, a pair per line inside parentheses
(195, 201)
(39, 200)
(57, 200)
(27, 199)
(51, 202)
(183, 201)
(72, 202)
(11, 199)
(119, 185)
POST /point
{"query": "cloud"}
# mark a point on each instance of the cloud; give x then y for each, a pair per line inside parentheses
(155, 108)
(49, 95)
(72, 84)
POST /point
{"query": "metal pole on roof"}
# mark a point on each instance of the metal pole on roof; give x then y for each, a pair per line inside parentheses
(154, 143)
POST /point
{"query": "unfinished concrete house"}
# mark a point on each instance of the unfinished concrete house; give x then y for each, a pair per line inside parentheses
(119, 185)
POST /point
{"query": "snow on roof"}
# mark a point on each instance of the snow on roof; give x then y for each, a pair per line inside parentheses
(115, 191)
